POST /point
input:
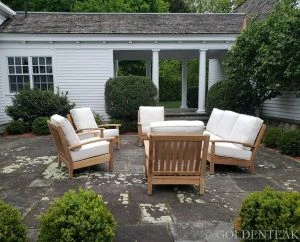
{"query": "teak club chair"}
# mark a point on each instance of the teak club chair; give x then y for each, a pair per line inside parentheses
(176, 159)
(147, 115)
(83, 120)
(75, 153)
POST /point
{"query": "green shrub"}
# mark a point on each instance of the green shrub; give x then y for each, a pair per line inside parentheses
(126, 125)
(16, 127)
(290, 142)
(272, 137)
(27, 105)
(12, 228)
(77, 216)
(40, 126)
(124, 95)
(269, 210)
(98, 118)
(192, 97)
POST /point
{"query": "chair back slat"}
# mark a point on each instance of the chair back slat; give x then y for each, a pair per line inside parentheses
(171, 155)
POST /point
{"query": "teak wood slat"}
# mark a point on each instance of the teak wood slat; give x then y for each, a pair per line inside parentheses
(176, 159)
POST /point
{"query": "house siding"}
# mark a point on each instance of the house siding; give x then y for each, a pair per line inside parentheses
(215, 72)
(285, 107)
(3, 117)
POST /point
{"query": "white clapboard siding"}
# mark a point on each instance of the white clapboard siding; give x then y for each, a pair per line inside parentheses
(215, 72)
(2, 101)
(286, 106)
(83, 74)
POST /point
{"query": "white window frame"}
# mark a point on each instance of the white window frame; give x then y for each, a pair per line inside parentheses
(17, 74)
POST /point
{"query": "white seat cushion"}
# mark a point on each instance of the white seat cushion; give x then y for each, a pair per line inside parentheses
(67, 128)
(230, 150)
(110, 133)
(214, 120)
(145, 129)
(226, 124)
(212, 136)
(89, 135)
(177, 127)
(151, 114)
(90, 150)
(83, 118)
(246, 129)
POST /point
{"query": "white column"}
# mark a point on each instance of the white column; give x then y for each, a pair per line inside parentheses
(202, 76)
(183, 84)
(155, 67)
(116, 67)
(148, 68)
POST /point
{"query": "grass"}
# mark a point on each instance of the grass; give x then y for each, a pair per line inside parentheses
(170, 104)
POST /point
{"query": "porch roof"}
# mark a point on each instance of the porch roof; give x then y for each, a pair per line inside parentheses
(108, 23)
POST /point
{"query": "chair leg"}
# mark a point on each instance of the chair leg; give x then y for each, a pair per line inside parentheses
(211, 168)
(140, 141)
(70, 172)
(118, 142)
(59, 161)
(201, 186)
(149, 187)
(251, 169)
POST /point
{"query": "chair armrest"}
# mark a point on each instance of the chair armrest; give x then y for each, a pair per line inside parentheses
(89, 129)
(233, 142)
(109, 125)
(89, 141)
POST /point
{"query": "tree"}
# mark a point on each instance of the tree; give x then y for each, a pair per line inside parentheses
(178, 6)
(266, 57)
(213, 6)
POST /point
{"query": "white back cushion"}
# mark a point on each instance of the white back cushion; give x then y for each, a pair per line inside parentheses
(83, 118)
(67, 128)
(150, 114)
(225, 124)
(214, 119)
(246, 129)
(177, 127)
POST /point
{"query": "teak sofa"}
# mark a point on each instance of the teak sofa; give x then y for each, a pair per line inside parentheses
(76, 153)
(176, 153)
(234, 138)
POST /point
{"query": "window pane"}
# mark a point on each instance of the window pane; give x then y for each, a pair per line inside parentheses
(25, 69)
(35, 69)
(11, 61)
(13, 87)
(24, 61)
(36, 79)
(11, 69)
(18, 60)
(50, 78)
(18, 70)
(49, 61)
(20, 86)
(12, 79)
(42, 61)
(43, 79)
(42, 69)
(20, 79)
(43, 86)
(49, 69)
(50, 86)
(37, 85)
(35, 61)
(26, 79)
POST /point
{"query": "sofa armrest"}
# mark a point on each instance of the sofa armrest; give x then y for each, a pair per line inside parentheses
(233, 142)
(89, 141)
(90, 129)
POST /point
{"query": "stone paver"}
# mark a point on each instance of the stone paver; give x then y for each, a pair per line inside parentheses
(30, 180)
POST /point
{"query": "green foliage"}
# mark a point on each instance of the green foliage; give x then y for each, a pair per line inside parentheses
(170, 80)
(127, 126)
(77, 216)
(27, 105)
(170, 104)
(98, 118)
(178, 6)
(265, 59)
(16, 127)
(272, 137)
(132, 68)
(290, 142)
(224, 95)
(192, 97)
(212, 6)
(12, 228)
(124, 95)
(270, 210)
(40, 126)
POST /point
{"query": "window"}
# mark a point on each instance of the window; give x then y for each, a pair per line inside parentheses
(18, 70)
(42, 73)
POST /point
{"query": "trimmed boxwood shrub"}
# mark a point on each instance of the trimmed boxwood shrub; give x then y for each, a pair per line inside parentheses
(192, 97)
(124, 95)
(12, 228)
(126, 125)
(269, 210)
(40, 126)
(290, 142)
(272, 137)
(16, 127)
(77, 216)
(29, 104)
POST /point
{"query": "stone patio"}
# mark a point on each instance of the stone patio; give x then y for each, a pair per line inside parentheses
(30, 181)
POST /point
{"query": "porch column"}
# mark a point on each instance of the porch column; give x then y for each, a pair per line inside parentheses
(155, 67)
(202, 76)
(183, 84)
(116, 67)
(148, 68)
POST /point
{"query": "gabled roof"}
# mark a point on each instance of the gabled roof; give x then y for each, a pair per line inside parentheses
(108, 23)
